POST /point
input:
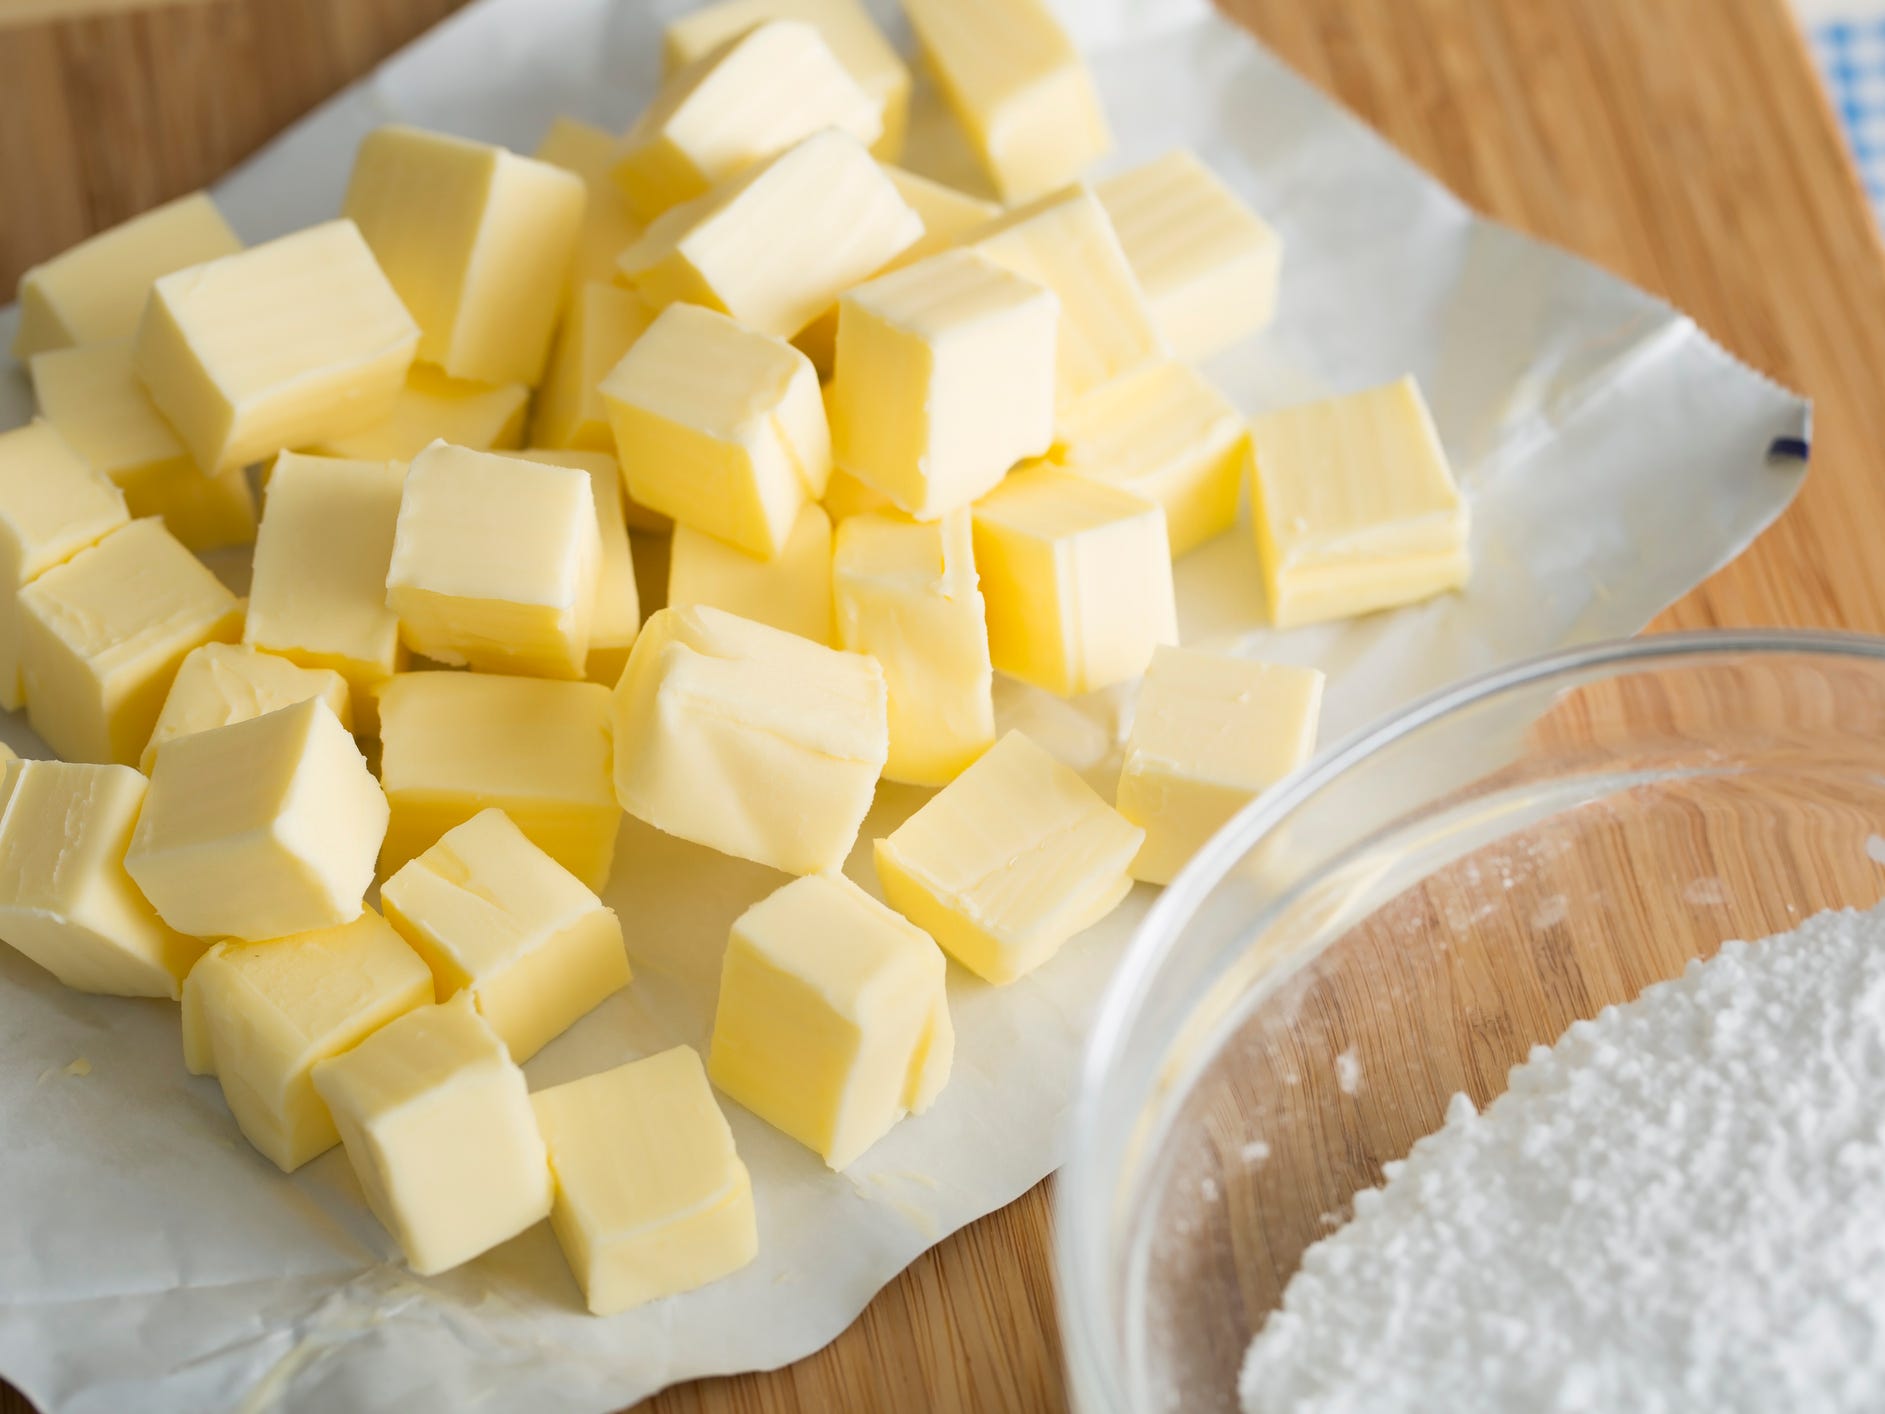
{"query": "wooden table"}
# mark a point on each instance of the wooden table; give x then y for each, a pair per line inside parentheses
(1684, 144)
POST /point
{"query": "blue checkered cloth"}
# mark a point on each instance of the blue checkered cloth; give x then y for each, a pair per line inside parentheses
(1851, 55)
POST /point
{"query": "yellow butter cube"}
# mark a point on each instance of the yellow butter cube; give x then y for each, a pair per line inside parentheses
(907, 595)
(96, 290)
(453, 744)
(433, 407)
(1208, 264)
(52, 505)
(1166, 435)
(1209, 734)
(792, 592)
(104, 634)
(832, 1022)
(846, 496)
(65, 899)
(261, 828)
(1354, 506)
(720, 427)
(775, 246)
(945, 379)
(651, 1196)
(609, 227)
(1066, 242)
(284, 345)
(495, 916)
(476, 240)
(602, 324)
(437, 1124)
(261, 1016)
(1016, 84)
(847, 28)
(748, 740)
(222, 683)
(1078, 578)
(755, 95)
(1008, 861)
(318, 593)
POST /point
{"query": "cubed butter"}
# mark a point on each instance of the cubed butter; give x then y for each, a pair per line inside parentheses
(285, 345)
(775, 246)
(65, 899)
(1354, 506)
(832, 1022)
(609, 227)
(1165, 435)
(476, 240)
(1208, 264)
(1016, 84)
(453, 744)
(96, 290)
(1078, 578)
(260, 1016)
(1008, 861)
(602, 324)
(52, 505)
(906, 594)
(792, 592)
(720, 427)
(748, 740)
(651, 1197)
(846, 496)
(495, 916)
(945, 379)
(1209, 734)
(104, 634)
(433, 407)
(222, 683)
(437, 1123)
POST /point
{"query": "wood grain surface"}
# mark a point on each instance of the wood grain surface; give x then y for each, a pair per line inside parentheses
(1684, 144)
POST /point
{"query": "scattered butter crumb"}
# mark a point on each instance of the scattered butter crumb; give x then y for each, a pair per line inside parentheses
(1255, 1152)
(1875, 848)
(1348, 1072)
(79, 1067)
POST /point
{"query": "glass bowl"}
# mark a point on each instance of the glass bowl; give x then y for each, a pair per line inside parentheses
(1405, 920)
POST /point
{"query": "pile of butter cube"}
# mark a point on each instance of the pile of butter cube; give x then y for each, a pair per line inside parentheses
(892, 438)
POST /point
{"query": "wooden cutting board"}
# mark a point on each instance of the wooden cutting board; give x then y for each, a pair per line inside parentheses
(1684, 144)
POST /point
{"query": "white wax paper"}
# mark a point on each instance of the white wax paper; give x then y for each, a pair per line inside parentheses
(150, 1260)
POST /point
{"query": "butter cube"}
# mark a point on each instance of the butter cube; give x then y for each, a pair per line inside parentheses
(1016, 84)
(1209, 734)
(433, 407)
(1354, 506)
(945, 379)
(284, 345)
(52, 505)
(602, 324)
(453, 744)
(476, 240)
(720, 427)
(261, 828)
(318, 593)
(261, 1016)
(792, 592)
(755, 95)
(65, 900)
(748, 740)
(495, 916)
(609, 227)
(775, 246)
(847, 28)
(846, 496)
(105, 633)
(1078, 578)
(832, 1022)
(222, 683)
(1208, 264)
(437, 1124)
(1165, 435)
(96, 290)
(906, 594)
(1066, 242)
(651, 1196)
(1008, 861)
(495, 562)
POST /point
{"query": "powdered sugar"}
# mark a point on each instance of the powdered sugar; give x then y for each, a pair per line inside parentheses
(1680, 1206)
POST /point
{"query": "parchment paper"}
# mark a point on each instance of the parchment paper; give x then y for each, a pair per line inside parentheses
(149, 1260)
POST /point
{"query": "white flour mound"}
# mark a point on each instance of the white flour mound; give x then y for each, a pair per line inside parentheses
(1680, 1206)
